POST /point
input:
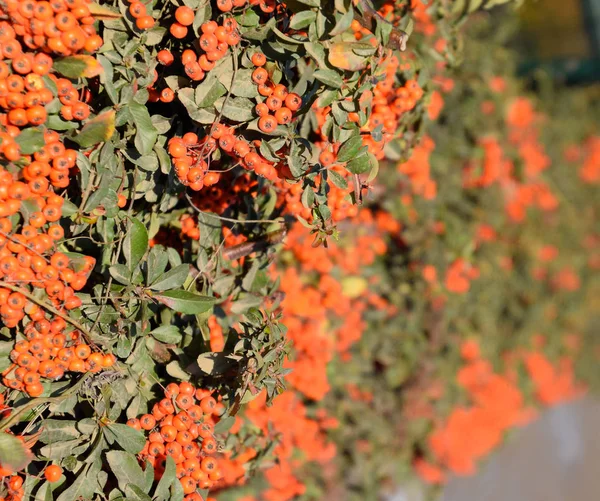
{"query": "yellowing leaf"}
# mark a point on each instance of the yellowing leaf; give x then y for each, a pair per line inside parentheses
(102, 12)
(78, 66)
(342, 56)
(97, 130)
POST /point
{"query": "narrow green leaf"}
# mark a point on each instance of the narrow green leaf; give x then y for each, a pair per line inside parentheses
(185, 301)
(168, 477)
(172, 279)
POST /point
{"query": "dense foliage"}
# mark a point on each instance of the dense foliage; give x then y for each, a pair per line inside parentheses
(256, 250)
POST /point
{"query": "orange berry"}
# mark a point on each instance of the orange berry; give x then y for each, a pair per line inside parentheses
(53, 473)
(184, 15)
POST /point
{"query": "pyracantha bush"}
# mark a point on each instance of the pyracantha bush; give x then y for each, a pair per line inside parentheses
(194, 239)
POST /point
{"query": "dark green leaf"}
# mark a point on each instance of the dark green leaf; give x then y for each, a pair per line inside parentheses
(146, 134)
(135, 243)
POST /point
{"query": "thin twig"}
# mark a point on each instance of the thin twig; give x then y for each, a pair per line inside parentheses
(6, 422)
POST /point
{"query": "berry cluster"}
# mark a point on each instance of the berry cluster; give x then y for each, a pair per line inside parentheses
(279, 104)
(23, 92)
(181, 426)
(63, 27)
(139, 12)
(190, 156)
(48, 351)
(215, 42)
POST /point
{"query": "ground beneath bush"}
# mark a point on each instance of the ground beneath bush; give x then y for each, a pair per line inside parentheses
(555, 458)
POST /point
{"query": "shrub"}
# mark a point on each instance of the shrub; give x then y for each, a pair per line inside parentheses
(187, 271)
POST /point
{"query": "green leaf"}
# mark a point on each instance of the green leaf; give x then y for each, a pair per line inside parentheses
(156, 263)
(130, 439)
(44, 493)
(120, 273)
(13, 453)
(97, 130)
(134, 493)
(243, 86)
(286, 38)
(30, 140)
(302, 19)
(54, 122)
(350, 148)
(125, 467)
(237, 109)
(146, 134)
(135, 243)
(172, 279)
(76, 488)
(337, 179)
(168, 477)
(225, 424)
(167, 334)
(185, 301)
(329, 78)
(57, 430)
(362, 163)
(59, 450)
(343, 23)
(262, 32)
(186, 97)
(209, 91)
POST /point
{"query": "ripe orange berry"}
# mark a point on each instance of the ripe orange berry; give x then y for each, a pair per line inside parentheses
(137, 9)
(178, 30)
(260, 76)
(293, 101)
(167, 95)
(147, 422)
(165, 57)
(53, 473)
(259, 59)
(184, 15)
(224, 5)
(144, 22)
(267, 123)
